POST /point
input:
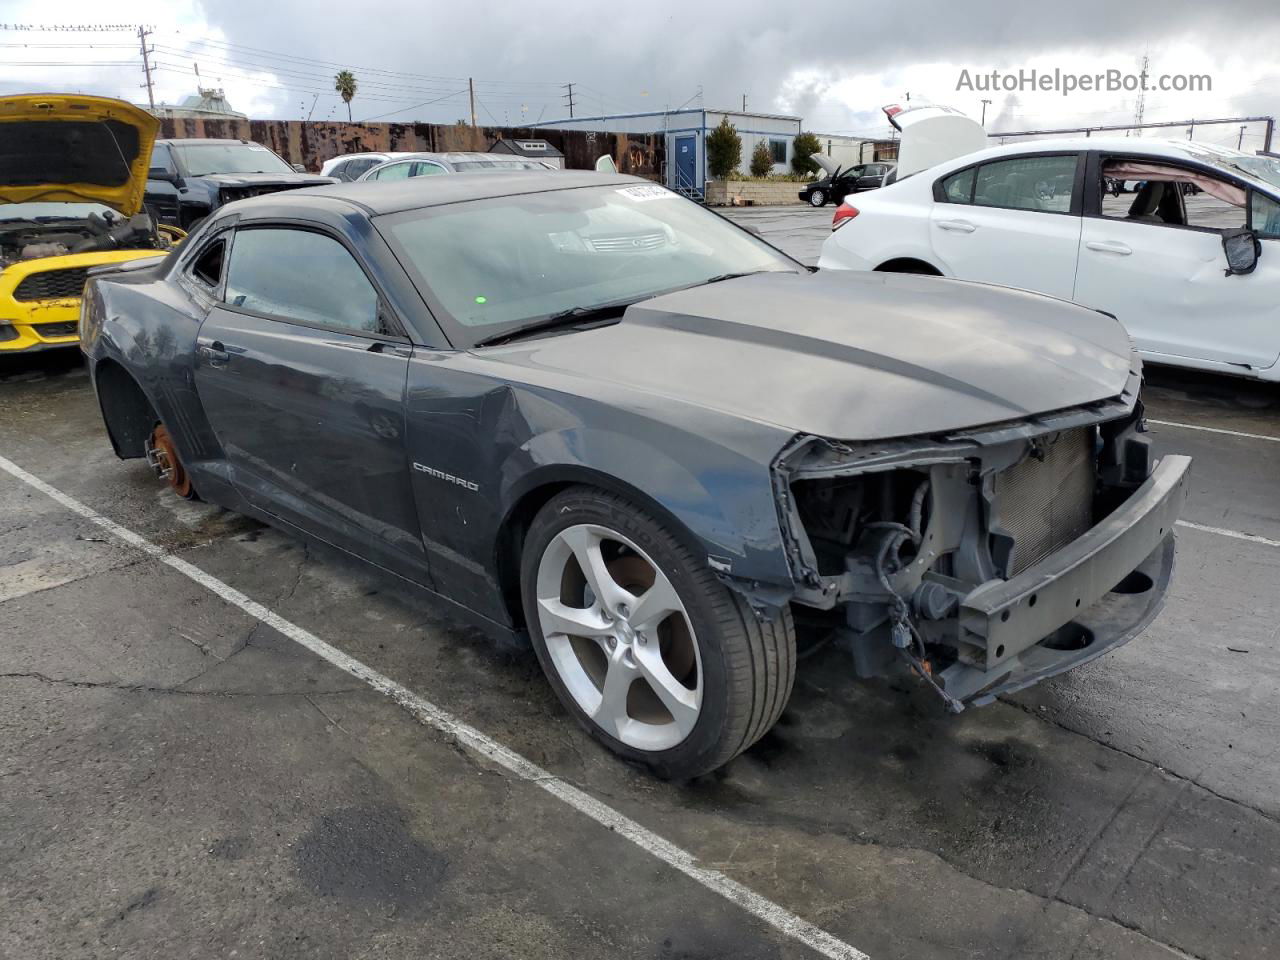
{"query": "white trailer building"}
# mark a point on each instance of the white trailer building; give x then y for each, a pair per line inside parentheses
(685, 133)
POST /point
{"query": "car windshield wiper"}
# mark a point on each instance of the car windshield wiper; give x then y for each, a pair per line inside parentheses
(734, 276)
(573, 317)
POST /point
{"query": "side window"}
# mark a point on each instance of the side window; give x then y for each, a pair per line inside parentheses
(357, 167)
(342, 170)
(162, 157)
(1027, 183)
(1266, 216)
(1171, 195)
(422, 168)
(958, 188)
(299, 275)
(207, 267)
(394, 171)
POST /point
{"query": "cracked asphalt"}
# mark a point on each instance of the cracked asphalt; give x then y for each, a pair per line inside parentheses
(178, 779)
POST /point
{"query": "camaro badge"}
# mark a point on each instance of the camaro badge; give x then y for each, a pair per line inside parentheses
(441, 475)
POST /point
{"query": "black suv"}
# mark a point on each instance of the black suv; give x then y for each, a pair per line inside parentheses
(189, 179)
(846, 180)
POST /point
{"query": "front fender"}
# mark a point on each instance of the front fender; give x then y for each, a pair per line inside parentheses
(720, 502)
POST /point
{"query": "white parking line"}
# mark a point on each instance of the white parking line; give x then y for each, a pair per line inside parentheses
(1226, 433)
(1233, 534)
(428, 713)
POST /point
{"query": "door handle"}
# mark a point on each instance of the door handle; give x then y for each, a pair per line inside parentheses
(1109, 246)
(956, 226)
(215, 353)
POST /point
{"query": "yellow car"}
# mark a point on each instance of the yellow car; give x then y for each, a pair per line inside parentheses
(73, 170)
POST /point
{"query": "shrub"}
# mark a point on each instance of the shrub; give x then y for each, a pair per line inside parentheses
(804, 147)
(761, 159)
(724, 150)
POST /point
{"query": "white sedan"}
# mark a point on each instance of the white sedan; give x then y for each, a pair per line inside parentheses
(1035, 215)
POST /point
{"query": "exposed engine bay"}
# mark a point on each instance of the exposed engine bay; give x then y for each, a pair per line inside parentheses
(36, 239)
(929, 555)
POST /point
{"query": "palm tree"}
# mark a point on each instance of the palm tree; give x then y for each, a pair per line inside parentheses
(345, 83)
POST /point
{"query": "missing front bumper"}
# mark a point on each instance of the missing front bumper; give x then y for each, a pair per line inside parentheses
(1090, 597)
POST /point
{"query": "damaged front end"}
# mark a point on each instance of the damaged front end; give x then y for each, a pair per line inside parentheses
(984, 561)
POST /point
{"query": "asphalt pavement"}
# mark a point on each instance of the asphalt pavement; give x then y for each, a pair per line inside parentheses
(184, 773)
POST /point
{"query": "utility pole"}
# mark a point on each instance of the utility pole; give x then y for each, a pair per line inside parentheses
(1240, 139)
(984, 112)
(143, 33)
(471, 88)
(744, 103)
(569, 97)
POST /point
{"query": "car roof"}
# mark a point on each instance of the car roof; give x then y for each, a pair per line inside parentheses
(460, 156)
(1181, 149)
(396, 196)
(224, 140)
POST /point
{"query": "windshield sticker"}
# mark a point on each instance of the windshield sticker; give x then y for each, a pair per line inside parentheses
(647, 192)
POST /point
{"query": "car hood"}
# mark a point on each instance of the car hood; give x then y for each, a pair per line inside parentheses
(70, 147)
(266, 179)
(846, 355)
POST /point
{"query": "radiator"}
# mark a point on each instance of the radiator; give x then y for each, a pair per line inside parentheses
(1044, 504)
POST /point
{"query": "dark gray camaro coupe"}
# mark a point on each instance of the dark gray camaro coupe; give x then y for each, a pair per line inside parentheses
(582, 407)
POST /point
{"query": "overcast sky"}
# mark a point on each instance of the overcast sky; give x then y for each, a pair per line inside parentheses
(833, 64)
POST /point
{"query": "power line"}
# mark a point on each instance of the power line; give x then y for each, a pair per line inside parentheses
(232, 49)
(456, 93)
(69, 27)
(164, 67)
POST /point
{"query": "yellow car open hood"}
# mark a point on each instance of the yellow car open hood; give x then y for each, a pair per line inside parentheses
(69, 147)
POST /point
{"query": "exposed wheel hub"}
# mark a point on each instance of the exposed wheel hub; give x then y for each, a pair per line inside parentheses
(164, 460)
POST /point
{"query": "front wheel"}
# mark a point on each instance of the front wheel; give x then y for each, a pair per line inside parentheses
(650, 652)
(818, 198)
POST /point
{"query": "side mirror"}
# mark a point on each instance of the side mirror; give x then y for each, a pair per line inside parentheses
(162, 173)
(298, 168)
(1242, 249)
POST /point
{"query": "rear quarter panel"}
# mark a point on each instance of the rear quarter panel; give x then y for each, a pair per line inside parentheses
(892, 222)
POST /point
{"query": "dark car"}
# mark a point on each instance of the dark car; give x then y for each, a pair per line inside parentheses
(646, 456)
(842, 181)
(189, 179)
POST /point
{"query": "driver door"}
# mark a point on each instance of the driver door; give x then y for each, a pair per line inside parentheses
(1154, 259)
(301, 373)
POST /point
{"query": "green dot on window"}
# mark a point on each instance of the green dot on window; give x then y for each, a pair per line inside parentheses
(482, 299)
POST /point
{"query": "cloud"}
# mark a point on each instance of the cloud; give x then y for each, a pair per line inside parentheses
(630, 58)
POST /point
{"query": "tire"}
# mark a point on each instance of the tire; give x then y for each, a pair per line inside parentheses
(817, 198)
(740, 669)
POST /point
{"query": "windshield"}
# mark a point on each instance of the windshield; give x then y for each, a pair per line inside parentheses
(1266, 169)
(200, 159)
(490, 266)
(53, 210)
(1260, 167)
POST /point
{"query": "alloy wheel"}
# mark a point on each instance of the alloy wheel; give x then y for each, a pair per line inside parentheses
(619, 637)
